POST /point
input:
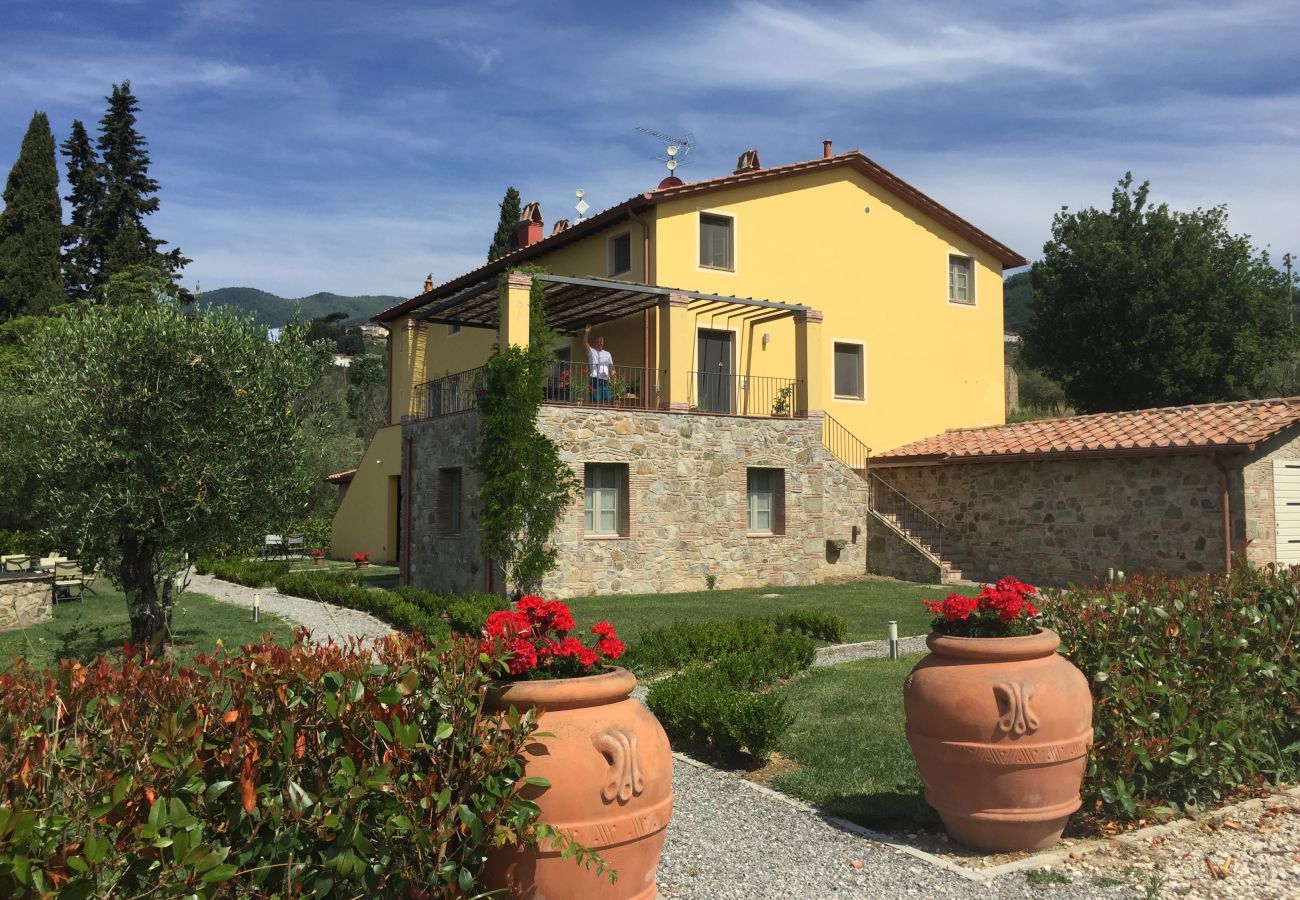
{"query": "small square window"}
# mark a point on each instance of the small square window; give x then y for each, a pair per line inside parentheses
(716, 242)
(961, 289)
(605, 510)
(766, 495)
(850, 380)
(620, 253)
(449, 498)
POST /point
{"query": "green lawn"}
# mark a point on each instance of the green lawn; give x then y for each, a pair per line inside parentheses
(100, 625)
(849, 741)
(867, 606)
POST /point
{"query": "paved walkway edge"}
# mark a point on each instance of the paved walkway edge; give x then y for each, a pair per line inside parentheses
(1041, 860)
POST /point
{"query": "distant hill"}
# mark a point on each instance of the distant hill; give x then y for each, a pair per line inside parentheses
(1017, 292)
(273, 311)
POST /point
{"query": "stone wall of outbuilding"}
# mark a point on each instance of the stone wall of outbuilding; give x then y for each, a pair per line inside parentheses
(1071, 520)
(1256, 518)
(686, 488)
(25, 600)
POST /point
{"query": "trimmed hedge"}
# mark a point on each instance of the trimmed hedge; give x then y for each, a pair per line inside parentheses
(248, 572)
(1196, 685)
(388, 606)
(679, 644)
(312, 770)
(407, 608)
(710, 704)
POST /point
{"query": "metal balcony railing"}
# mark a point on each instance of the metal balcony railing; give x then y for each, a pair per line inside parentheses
(741, 395)
(448, 394)
(922, 526)
(620, 386)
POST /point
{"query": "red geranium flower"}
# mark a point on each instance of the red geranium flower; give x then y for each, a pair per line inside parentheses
(535, 636)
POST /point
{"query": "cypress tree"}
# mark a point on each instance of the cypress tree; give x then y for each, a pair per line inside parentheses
(31, 227)
(507, 236)
(85, 177)
(118, 235)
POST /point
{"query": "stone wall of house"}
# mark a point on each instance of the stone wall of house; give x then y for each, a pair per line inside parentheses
(443, 560)
(1256, 517)
(687, 509)
(1058, 521)
(891, 555)
(25, 601)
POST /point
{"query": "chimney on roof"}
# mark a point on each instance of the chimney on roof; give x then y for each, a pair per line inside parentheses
(560, 225)
(529, 231)
(748, 162)
(428, 282)
(826, 149)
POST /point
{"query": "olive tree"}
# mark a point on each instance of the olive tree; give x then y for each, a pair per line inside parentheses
(161, 435)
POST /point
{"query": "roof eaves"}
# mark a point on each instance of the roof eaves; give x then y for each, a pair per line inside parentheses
(517, 257)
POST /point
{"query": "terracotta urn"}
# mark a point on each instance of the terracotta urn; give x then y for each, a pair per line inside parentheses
(610, 770)
(1000, 728)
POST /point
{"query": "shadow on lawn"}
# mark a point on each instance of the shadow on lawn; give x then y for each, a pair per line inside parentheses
(890, 812)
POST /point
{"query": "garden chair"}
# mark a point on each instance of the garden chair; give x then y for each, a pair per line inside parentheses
(47, 563)
(273, 546)
(295, 544)
(69, 583)
(15, 562)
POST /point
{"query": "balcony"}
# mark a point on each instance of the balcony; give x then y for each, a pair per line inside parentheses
(627, 387)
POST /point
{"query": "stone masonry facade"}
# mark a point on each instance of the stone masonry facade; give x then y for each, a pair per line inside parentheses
(1071, 520)
(25, 601)
(687, 506)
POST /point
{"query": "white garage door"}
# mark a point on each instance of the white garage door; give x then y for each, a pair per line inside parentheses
(1286, 507)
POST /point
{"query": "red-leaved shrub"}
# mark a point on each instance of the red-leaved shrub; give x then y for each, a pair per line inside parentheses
(362, 770)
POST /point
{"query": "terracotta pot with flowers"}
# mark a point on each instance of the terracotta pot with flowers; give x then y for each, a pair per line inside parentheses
(603, 755)
(317, 556)
(999, 722)
(361, 560)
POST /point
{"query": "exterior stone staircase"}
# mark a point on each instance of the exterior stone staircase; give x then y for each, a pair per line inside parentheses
(904, 540)
(950, 570)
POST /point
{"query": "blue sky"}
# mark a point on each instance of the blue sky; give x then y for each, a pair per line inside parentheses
(354, 147)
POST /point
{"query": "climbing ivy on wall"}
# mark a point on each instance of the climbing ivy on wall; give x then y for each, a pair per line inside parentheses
(524, 485)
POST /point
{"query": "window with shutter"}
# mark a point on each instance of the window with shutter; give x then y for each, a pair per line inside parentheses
(716, 242)
(605, 508)
(620, 252)
(850, 381)
(449, 501)
(766, 496)
(960, 288)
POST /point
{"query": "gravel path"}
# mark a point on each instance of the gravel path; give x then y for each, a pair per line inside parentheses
(324, 620)
(842, 653)
(728, 840)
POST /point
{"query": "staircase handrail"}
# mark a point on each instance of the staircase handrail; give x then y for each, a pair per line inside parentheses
(843, 444)
(916, 521)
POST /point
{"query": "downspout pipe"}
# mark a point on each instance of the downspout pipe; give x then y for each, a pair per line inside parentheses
(1225, 502)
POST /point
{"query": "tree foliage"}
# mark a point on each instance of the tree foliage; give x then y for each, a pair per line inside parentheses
(525, 485)
(507, 237)
(1144, 306)
(112, 194)
(367, 392)
(159, 435)
(31, 227)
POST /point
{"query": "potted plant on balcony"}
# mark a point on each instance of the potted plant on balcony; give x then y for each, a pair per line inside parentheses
(603, 762)
(361, 560)
(999, 723)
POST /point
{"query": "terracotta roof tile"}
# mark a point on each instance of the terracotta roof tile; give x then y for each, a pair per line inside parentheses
(1237, 425)
(854, 159)
(340, 477)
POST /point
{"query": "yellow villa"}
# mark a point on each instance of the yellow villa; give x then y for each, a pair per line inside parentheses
(764, 330)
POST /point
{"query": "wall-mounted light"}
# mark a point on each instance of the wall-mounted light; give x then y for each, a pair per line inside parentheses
(866, 209)
(767, 339)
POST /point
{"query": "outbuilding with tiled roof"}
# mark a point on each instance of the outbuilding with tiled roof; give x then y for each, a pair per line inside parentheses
(1176, 490)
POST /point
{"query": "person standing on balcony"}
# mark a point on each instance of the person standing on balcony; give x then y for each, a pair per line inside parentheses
(601, 362)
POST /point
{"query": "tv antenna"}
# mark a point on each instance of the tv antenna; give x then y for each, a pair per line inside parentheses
(677, 148)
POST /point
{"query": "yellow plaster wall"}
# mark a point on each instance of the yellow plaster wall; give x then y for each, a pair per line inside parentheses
(366, 520)
(880, 277)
